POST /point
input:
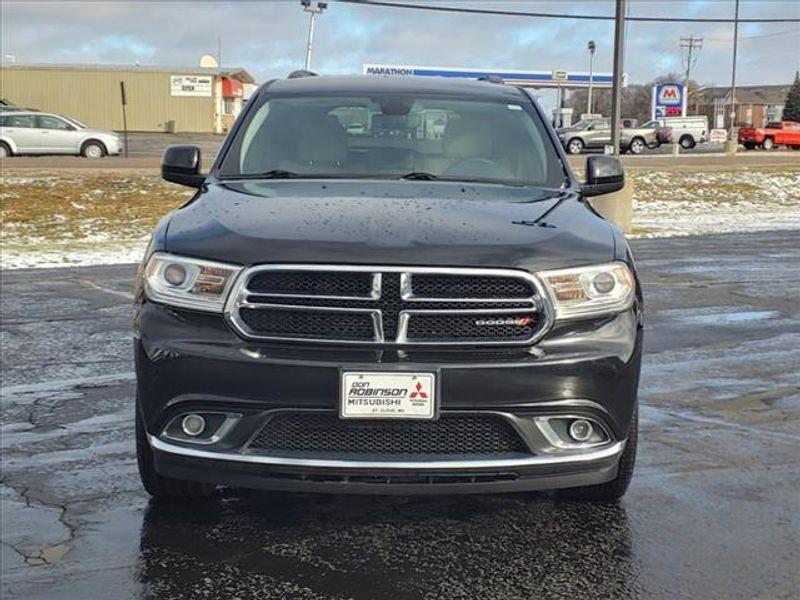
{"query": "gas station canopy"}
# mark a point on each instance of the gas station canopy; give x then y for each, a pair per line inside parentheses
(536, 79)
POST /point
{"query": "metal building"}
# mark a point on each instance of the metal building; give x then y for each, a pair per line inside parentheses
(160, 99)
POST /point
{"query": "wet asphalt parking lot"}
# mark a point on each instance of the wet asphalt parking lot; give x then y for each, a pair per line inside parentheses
(712, 511)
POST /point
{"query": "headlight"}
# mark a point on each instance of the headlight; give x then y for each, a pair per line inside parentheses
(589, 291)
(188, 282)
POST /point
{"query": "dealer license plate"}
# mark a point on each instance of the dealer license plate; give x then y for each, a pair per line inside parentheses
(387, 395)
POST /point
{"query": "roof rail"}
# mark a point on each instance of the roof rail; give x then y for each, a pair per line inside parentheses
(301, 73)
(491, 79)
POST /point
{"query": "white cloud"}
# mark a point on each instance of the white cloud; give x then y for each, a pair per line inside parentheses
(268, 38)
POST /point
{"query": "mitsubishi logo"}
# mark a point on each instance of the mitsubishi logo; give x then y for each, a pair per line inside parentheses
(419, 393)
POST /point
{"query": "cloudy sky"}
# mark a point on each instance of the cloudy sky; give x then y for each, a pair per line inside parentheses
(268, 37)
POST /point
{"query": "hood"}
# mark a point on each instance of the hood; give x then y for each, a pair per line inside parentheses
(93, 131)
(389, 223)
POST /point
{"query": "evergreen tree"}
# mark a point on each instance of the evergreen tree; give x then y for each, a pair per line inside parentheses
(791, 109)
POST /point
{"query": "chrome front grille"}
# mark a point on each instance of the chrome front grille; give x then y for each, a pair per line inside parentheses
(388, 305)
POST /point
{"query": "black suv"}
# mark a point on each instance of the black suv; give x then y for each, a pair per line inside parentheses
(388, 285)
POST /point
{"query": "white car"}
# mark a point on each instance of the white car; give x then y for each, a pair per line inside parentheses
(29, 132)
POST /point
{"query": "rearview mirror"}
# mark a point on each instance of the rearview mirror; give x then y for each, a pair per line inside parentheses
(604, 175)
(181, 164)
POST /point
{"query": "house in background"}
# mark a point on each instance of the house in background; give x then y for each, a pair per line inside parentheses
(756, 105)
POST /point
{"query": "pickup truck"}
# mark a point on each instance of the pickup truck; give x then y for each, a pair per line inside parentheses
(778, 133)
(593, 134)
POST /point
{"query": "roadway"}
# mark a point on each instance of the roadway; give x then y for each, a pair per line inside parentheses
(712, 511)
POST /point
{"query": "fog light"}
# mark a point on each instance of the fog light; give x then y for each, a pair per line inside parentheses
(193, 425)
(580, 430)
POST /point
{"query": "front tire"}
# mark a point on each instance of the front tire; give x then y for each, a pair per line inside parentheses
(768, 144)
(615, 489)
(575, 146)
(163, 488)
(5, 150)
(93, 149)
(750, 145)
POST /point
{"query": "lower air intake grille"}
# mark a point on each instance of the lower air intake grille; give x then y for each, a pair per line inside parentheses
(315, 434)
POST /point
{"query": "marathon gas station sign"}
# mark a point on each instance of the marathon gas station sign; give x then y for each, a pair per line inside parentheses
(554, 78)
(669, 100)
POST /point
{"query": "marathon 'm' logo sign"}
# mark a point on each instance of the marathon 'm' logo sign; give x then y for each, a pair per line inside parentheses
(670, 95)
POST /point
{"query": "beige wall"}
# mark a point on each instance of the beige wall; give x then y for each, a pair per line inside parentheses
(93, 97)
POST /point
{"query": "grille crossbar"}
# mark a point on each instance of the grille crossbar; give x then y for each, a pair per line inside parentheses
(388, 305)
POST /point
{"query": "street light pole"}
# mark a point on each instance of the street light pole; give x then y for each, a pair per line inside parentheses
(313, 9)
(591, 75)
(619, 67)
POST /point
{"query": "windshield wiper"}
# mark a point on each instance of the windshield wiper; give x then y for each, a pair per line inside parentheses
(277, 174)
(272, 174)
(419, 175)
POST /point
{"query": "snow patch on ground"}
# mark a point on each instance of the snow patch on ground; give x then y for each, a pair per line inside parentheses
(107, 253)
(677, 204)
(108, 220)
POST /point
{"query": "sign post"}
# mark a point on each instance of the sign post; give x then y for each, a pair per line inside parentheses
(124, 115)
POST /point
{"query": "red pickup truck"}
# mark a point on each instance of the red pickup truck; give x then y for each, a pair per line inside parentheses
(778, 133)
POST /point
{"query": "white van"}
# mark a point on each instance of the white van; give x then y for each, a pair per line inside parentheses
(687, 131)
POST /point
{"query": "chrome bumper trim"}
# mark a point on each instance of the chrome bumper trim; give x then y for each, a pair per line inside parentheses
(608, 452)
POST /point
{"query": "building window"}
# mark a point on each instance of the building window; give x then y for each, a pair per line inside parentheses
(774, 112)
(228, 105)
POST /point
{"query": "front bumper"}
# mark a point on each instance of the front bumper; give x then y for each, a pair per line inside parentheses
(193, 362)
(365, 477)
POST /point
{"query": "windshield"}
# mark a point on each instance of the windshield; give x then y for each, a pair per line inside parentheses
(394, 136)
(583, 123)
(75, 122)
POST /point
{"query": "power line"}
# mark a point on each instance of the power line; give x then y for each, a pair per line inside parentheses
(514, 13)
(762, 36)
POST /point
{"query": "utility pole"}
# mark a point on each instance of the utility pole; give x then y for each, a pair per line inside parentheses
(619, 67)
(592, 48)
(732, 133)
(691, 44)
(313, 9)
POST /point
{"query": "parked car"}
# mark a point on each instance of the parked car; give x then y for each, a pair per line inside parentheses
(335, 311)
(29, 132)
(777, 133)
(592, 134)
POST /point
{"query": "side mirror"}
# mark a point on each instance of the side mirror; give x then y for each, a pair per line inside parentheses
(181, 164)
(604, 175)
